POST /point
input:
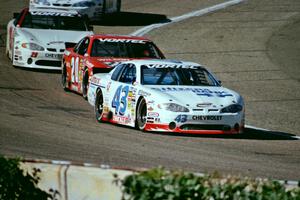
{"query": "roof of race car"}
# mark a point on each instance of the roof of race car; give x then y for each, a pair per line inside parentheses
(165, 63)
(62, 1)
(44, 11)
(111, 36)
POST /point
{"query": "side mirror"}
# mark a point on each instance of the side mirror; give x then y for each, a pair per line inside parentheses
(86, 55)
(134, 81)
(220, 82)
(16, 15)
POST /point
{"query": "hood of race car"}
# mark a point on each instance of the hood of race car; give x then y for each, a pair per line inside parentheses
(52, 38)
(107, 62)
(197, 97)
(110, 61)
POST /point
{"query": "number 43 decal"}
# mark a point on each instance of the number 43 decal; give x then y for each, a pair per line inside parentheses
(181, 118)
(119, 101)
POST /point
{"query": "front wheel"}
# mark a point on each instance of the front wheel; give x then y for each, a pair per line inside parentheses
(99, 105)
(141, 114)
(85, 84)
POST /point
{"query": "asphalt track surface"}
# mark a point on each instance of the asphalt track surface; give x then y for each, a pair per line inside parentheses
(252, 47)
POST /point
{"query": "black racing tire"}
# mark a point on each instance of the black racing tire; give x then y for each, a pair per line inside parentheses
(118, 6)
(99, 105)
(85, 84)
(141, 114)
(64, 81)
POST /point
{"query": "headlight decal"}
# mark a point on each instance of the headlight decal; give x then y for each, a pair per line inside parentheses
(33, 46)
(175, 107)
(233, 108)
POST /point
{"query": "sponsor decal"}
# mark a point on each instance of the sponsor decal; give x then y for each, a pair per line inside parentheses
(56, 42)
(105, 109)
(150, 102)
(121, 119)
(53, 56)
(17, 52)
(108, 86)
(95, 80)
(52, 14)
(112, 59)
(68, 64)
(201, 105)
(121, 40)
(150, 109)
(197, 91)
(89, 64)
(206, 118)
(175, 66)
(112, 64)
(153, 114)
(143, 93)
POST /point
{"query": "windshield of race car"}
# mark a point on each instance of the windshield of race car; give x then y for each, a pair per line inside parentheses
(124, 49)
(161, 75)
(56, 22)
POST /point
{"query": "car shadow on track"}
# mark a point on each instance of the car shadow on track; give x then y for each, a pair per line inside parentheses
(48, 71)
(2, 35)
(131, 19)
(249, 134)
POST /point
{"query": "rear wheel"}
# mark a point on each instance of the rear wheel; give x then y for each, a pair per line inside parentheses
(85, 83)
(99, 105)
(141, 114)
(64, 81)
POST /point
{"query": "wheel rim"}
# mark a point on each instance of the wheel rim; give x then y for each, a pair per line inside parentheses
(142, 114)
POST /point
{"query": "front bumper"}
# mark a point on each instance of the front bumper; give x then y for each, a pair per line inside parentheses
(196, 123)
(37, 59)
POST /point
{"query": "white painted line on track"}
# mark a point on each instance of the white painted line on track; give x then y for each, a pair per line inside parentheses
(197, 13)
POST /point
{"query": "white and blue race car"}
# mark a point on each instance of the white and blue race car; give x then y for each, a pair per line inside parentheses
(93, 9)
(37, 38)
(166, 96)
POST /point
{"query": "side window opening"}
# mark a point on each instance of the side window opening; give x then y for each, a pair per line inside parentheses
(83, 46)
(116, 73)
(128, 74)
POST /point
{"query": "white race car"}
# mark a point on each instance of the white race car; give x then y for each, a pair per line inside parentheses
(37, 38)
(167, 96)
(93, 9)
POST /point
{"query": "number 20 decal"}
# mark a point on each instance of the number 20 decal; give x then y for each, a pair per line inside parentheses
(74, 66)
(119, 101)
